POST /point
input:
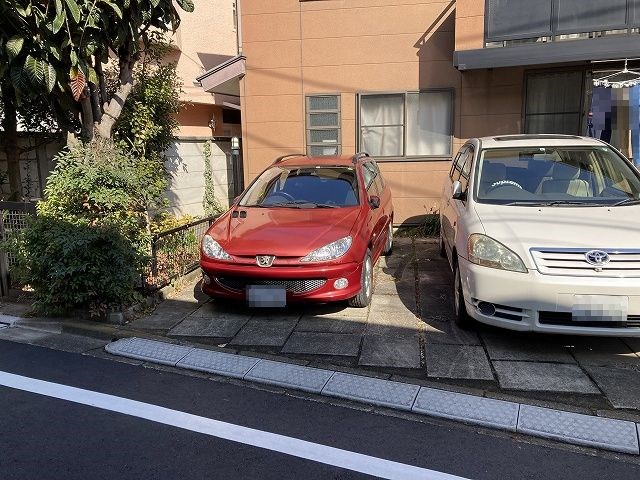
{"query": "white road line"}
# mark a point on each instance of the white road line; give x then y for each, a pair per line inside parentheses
(270, 441)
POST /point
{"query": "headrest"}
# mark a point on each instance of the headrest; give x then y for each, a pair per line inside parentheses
(564, 171)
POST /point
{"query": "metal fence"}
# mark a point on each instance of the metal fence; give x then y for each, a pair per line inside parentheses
(13, 218)
(175, 252)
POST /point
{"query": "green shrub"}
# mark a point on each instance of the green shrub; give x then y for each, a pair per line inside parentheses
(90, 240)
(429, 227)
(77, 265)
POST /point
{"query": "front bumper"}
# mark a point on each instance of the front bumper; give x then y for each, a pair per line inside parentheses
(543, 303)
(226, 279)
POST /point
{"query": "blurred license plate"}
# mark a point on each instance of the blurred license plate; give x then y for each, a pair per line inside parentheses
(599, 308)
(266, 296)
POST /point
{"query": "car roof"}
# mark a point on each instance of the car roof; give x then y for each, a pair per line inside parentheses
(304, 160)
(538, 140)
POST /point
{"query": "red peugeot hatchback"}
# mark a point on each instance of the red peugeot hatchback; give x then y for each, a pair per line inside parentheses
(308, 228)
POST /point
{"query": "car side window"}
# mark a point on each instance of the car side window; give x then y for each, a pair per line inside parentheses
(465, 162)
(369, 173)
(456, 167)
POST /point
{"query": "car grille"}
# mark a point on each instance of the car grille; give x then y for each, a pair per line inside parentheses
(565, 318)
(572, 262)
(295, 286)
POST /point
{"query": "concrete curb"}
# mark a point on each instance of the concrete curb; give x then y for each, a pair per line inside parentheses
(616, 435)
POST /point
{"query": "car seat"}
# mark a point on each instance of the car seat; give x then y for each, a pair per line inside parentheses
(565, 179)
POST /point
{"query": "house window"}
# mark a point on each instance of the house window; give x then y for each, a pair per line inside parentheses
(401, 125)
(554, 102)
(323, 125)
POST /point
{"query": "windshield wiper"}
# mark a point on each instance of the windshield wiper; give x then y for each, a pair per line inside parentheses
(556, 203)
(626, 201)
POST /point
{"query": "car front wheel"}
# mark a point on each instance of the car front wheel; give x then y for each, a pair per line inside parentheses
(366, 281)
(461, 317)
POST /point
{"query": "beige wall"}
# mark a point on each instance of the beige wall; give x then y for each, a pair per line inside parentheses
(206, 37)
(469, 24)
(296, 48)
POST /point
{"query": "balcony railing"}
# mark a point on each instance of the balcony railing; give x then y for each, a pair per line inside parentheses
(532, 19)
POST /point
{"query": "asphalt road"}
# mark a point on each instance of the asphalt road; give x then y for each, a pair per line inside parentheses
(46, 437)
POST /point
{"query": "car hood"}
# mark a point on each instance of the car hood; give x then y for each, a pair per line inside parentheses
(283, 232)
(522, 228)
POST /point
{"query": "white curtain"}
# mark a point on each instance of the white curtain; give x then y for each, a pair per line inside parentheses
(429, 123)
(381, 124)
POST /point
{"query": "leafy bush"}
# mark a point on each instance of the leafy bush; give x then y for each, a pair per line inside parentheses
(90, 239)
(430, 227)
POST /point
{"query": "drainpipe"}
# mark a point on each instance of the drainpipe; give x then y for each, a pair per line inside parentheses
(238, 28)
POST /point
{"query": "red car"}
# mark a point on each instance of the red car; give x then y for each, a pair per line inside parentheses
(308, 228)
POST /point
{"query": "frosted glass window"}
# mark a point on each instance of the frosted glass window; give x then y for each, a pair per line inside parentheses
(323, 125)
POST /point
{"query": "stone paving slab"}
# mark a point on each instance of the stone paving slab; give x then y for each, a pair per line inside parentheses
(393, 304)
(617, 435)
(311, 343)
(449, 333)
(620, 385)
(549, 377)
(434, 272)
(331, 324)
(388, 324)
(515, 346)
(8, 319)
(436, 302)
(336, 309)
(223, 325)
(390, 352)
(372, 390)
(598, 351)
(221, 363)
(289, 375)
(266, 331)
(150, 350)
(633, 344)
(457, 362)
(157, 321)
(469, 408)
(216, 309)
(392, 287)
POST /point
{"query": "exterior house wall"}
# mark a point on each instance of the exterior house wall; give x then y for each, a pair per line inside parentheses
(205, 38)
(469, 24)
(296, 48)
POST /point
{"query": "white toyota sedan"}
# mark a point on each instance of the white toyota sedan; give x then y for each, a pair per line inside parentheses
(542, 233)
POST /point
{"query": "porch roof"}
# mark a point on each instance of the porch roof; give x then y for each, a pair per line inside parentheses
(224, 78)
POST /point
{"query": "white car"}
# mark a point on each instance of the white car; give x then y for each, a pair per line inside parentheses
(542, 233)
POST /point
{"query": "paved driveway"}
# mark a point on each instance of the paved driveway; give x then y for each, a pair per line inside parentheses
(408, 330)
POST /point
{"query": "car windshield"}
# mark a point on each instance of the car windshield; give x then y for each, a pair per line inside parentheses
(304, 187)
(556, 176)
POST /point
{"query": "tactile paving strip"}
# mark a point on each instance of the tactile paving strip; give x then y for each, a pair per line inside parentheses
(372, 390)
(288, 375)
(458, 406)
(618, 435)
(218, 362)
(143, 349)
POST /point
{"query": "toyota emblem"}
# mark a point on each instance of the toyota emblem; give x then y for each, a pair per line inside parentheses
(597, 257)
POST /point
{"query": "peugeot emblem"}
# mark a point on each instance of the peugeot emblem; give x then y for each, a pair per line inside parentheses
(597, 257)
(265, 260)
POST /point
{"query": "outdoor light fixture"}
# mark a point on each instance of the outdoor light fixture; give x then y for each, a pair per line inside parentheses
(212, 122)
(631, 78)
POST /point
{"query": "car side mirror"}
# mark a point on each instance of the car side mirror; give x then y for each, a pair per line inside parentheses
(456, 191)
(374, 201)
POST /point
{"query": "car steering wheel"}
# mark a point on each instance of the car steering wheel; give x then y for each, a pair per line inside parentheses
(285, 195)
(504, 183)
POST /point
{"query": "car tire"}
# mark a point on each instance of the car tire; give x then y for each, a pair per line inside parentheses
(461, 317)
(388, 246)
(363, 298)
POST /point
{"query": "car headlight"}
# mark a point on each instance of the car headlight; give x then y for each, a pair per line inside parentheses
(488, 252)
(330, 251)
(212, 249)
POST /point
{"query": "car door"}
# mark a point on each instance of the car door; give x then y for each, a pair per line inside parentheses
(377, 222)
(447, 215)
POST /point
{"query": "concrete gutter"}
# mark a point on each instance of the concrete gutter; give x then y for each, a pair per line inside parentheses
(606, 433)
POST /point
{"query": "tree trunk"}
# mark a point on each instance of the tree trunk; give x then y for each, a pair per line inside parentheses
(10, 127)
(87, 115)
(113, 110)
